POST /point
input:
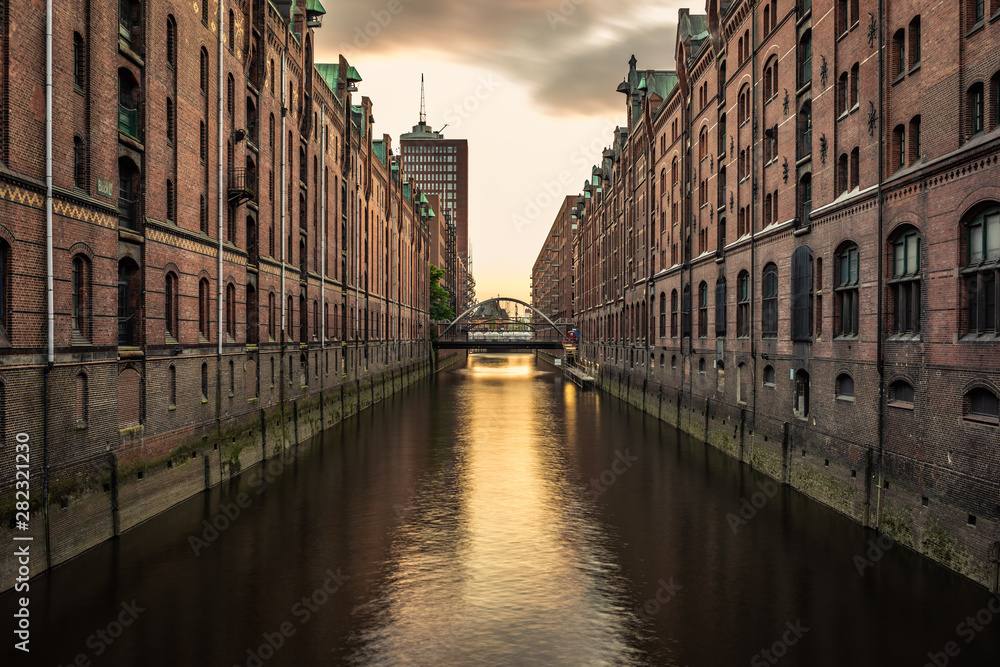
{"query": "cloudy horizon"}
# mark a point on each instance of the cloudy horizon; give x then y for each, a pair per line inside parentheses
(530, 84)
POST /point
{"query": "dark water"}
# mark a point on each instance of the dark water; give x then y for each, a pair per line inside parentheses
(457, 524)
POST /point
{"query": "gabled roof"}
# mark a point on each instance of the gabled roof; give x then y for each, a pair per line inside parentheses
(379, 148)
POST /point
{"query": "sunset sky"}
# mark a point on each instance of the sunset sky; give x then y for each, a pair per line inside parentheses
(531, 85)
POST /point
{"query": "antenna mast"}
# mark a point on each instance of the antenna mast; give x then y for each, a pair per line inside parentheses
(423, 109)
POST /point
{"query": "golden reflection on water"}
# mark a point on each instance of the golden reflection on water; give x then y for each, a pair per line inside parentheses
(498, 564)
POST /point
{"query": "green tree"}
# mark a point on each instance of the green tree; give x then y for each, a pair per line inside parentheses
(440, 310)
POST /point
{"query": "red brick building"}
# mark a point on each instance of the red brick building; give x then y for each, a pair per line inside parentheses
(236, 259)
(791, 249)
(552, 277)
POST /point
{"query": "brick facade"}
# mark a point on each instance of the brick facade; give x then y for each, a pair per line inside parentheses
(552, 277)
(786, 250)
(160, 349)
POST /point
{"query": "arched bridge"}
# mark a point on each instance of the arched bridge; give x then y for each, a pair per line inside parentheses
(486, 326)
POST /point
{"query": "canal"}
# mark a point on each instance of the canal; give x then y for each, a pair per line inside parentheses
(498, 515)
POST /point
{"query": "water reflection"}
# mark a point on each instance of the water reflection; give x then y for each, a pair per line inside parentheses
(499, 562)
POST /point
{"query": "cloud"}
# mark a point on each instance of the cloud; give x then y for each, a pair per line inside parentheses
(570, 54)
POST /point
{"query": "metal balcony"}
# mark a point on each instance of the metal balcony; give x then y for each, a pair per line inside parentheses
(242, 184)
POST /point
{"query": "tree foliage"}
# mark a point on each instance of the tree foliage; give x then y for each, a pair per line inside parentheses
(440, 310)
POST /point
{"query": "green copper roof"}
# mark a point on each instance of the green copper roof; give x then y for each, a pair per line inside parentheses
(329, 72)
(406, 191)
(315, 7)
(423, 198)
(379, 148)
(358, 116)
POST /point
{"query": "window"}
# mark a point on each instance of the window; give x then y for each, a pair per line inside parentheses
(843, 174)
(79, 61)
(4, 296)
(914, 42)
(230, 95)
(802, 294)
(899, 147)
(204, 69)
(663, 314)
(899, 53)
(905, 283)
(901, 394)
(720, 306)
(80, 289)
(769, 303)
(204, 382)
(232, 31)
(981, 405)
(743, 304)
(805, 131)
(855, 168)
(171, 41)
(170, 309)
(171, 124)
(703, 143)
(977, 10)
(846, 301)
(271, 315)
(768, 376)
(231, 310)
(805, 59)
(204, 300)
(843, 17)
(703, 310)
(914, 148)
(741, 383)
(673, 314)
(170, 201)
(845, 386)
(129, 292)
(801, 406)
(171, 386)
(843, 94)
(982, 275)
(855, 71)
(722, 134)
(203, 145)
(976, 109)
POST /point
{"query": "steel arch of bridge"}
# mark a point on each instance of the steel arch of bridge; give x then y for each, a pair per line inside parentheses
(495, 299)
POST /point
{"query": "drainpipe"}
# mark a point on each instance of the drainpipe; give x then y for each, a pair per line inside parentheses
(322, 236)
(880, 362)
(221, 201)
(284, 199)
(753, 208)
(50, 304)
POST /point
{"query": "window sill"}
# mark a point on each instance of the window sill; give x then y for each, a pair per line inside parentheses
(976, 28)
(981, 420)
(904, 338)
(899, 77)
(804, 88)
(802, 19)
(901, 405)
(915, 68)
(975, 338)
(845, 399)
(846, 338)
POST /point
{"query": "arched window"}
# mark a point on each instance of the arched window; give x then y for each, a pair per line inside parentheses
(673, 314)
(720, 306)
(845, 387)
(904, 286)
(204, 382)
(703, 143)
(271, 315)
(743, 304)
(128, 193)
(703, 310)
(673, 171)
(805, 59)
(802, 293)
(79, 164)
(230, 95)
(769, 302)
(805, 197)
(129, 294)
(742, 378)
(231, 311)
(304, 319)
(982, 272)
(171, 386)
(171, 41)
(846, 299)
(898, 54)
(252, 317)
(232, 378)
(843, 174)
(232, 31)
(768, 376)
(914, 42)
(5, 286)
(901, 394)
(843, 94)
(170, 308)
(977, 109)
(79, 61)
(663, 314)
(204, 304)
(204, 68)
(981, 405)
(805, 130)
(855, 71)
(80, 289)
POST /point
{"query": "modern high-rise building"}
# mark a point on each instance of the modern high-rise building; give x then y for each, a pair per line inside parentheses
(440, 166)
